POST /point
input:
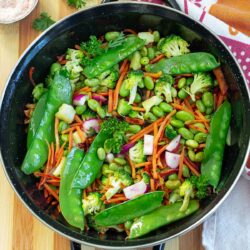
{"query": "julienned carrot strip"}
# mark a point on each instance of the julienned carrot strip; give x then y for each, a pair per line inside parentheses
(159, 163)
(195, 121)
(70, 140)
(154, 165)
(198, 128)
(118, 86)
(69, 130)
(31, 71)
(115, 200)
(181, 164)
(138, 109)
(123, 66)
(139, 165)
(161, 150)
(185, 75)
(52, 161)
(130, 31)
(153, 75)
(221, 80)
(179, 107)
(193, 170)
(110, 101)
(77, 119)
(187, 103)
(201, 116)
(84, 89)
(60, 154)
(152, 184)
(103, 93)
(51, 191)
(148, 93)
(131, 166)
(220, 100)
(84, 194)
(81, 134)
(156, 59)
(168, 172)
(203, 145)
(57, 135)
(76, 124)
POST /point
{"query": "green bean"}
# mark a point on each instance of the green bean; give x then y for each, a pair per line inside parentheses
(150, 117)
(62, 126)
(93, 104)
(101, 154)
(177, 123)
(133, 128)
(185, 133)
(166, 107)
(148, 82)
(182, 82)
(184, 116)
(189, 81)
(185, 171)
(151, 53)
(173, 92)
(124, 92)
(144, 60)
(94, 82)
(156, 35)
(199, 157)
(192, 143)
(137, 98)
(182, 94)
(144, 51)
(135, 61)
(65, 137)
(200, 106)
(200, 137)
(191, 155)
(101, 112)
(209, 110)
(120, 161)
(208, 99)
(173, 177)
(123, 107)
(172, 184)
(80, 109)
(111, 35)
(157, 111)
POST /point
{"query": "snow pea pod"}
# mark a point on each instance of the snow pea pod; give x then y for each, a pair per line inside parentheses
(130, 209)
(161, 217)
(113, 56)
(36, 118)
(213, 154)
(60, 92)
(184, 64)
(70, 199)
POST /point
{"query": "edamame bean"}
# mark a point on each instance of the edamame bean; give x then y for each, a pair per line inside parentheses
(144, 51)
(208, 99)
(173, 177)
(200, 137)
(94, 82)
(184, 116)
(123, 107)
(198, 125)
(134, 128)
(172, 184)
(137, 98)
(93, 104)
(150, 117)
(124, 92)
(166, 107)
(151, 53)
(185, 133)
(157, 111)
(182, 94)
(62, 126)
(144, 60)
(113, 166)
(189, 81)
(191, 155)
(135, 61)
(127, 168)
(133, 114)
(101, 154)
(209, 110)
(177, 123)
(80, 109)
(65, 137)
(173, 92)
(182, 141)
(192, 143)
(141, 84)
(148, 82)
(185, 171)
(181, 82)
(101, 112)
(200, 106)
(199, 157)
(120, 161)
(157, 36)
(111, 35)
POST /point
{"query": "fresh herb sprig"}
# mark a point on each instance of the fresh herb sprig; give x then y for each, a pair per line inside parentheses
(76, 3)
(43, 22)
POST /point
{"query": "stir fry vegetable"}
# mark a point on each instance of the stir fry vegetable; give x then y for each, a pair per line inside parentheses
(128, 132)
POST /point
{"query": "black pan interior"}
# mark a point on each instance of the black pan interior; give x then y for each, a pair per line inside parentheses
(77, 28)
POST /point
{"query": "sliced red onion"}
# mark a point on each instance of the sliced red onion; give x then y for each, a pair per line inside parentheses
(91, 123)
(135, 190)
(172, 159)
(173, 144)
(99, 98)
(126, 147)
(80, 99)
(148, 144)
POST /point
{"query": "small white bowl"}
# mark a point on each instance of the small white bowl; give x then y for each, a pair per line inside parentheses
(21, 16)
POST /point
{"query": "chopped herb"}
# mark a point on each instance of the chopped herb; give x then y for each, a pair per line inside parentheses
(43, 22)
(76, 3)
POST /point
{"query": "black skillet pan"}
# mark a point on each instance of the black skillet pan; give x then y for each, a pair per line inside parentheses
(96, 21)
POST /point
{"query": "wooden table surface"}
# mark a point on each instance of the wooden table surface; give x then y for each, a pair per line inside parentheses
(19, 230)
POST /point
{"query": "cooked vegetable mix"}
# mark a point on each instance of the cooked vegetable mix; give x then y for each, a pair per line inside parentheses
(128, 131)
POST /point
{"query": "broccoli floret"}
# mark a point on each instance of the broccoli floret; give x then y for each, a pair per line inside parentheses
(136, 153)
(200, 183)
(145, 177)
(170, 133)
(88, 114)
(202, 81)
(74, 69)
(174, 196)
(92, 203)
(74, 55)
(186, 191)
(173, 46)
(108, 78)
(131, 83)
(118, 180)
(38, 91)
(91, 223)
(149, 103)
(163, 87)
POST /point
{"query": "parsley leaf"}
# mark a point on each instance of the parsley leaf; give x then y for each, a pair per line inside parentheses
(43, 22)
(76, 3)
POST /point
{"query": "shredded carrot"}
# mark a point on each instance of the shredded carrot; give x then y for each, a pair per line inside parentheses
(118, 86)
(137, 121)
(138, 109)
(76, 124)
(221, 80)
(77, 46)
(153, 75)
(70, 140)
(193, 170)
(57, 135)
(201, 116)
(220, 100)
(51, 191)
(115, 200)
(81, 134)
(185, 75)
(198, 128)
(103, 93)
(180, 107)
(139, 165)
(168, 172)
(110, 101)
(148, 93)
(161, 150)
(131, 166)
(84, 194)
(159, 163)
(156, 59)
(181, 163)
(68, 130)
(187, 103)
(77, 119)
(84, 89)
(152, 184)
(52, 160)
(60, 154)
(130, 31)
(203, 145)
(195, 121)
(31, 71)
(124, 64)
